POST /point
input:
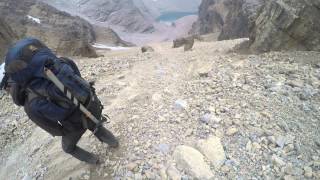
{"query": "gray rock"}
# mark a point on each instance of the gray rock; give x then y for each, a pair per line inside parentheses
(307, 93)
(277, 161)
(209, 118)
(249, 146)
(181, 104)
(192, 161)
(27, 177)
(164, 148)
(213, 150)
(187, 42)
(173, 173)
(317, 142)
(296, 83)
(291, 170)
(145, 49)
(289, 177)
(272, 139)
(232, 131)
(281, 141)
(308, 171)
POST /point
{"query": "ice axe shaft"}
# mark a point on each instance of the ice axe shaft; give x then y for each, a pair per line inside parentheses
(74, 100)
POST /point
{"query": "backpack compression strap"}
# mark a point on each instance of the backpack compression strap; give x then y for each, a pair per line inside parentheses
(74, 100)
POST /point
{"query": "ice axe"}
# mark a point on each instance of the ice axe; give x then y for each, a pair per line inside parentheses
(74, 100)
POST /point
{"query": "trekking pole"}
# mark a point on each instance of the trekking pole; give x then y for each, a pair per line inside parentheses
(74, 100)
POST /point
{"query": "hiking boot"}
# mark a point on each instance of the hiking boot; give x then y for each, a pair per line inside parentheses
(85, 156)
(106, 136)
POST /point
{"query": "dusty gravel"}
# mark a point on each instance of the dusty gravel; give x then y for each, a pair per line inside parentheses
(264, 109)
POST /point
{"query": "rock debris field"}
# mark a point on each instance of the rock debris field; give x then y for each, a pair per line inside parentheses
(204, 114)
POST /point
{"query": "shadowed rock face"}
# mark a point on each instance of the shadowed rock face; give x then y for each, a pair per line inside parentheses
(6, 38)
(212, 14)
(230, 19)
(287, 25)
(271, 25)
(63, 33)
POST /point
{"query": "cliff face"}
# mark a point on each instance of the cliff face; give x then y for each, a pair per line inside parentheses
(230, 19)
(65, 34)
(6, 38)
(240, 18)
(271, 25)
(212, 14)
(287, 25)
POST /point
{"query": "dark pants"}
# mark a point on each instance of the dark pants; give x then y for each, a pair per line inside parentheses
(70, 140)
(69, 145)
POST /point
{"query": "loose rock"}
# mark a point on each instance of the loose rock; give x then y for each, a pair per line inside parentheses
(307, 171)
(173, 173)
(147, 49)
(277, 161)
(213, 150)
(232, 131)
(192, 161)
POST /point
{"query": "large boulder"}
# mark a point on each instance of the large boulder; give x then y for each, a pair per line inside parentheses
(212, 148)
(287, 25)
(192, 161)
(187, 42)
(145, 49)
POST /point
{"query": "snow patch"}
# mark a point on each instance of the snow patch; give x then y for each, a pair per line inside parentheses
(1, 71)
(37, 20)
(113, 48)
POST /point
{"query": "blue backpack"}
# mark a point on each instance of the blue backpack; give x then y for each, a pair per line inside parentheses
(25, 63)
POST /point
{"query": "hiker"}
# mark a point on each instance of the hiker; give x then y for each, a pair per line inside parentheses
(45, 104)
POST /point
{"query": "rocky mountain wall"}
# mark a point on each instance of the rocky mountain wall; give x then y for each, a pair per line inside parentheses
(271, 25)
(287, 25)
(212, 14)
(230, 19)
(122, 13)
(6, 38)
(65, 34)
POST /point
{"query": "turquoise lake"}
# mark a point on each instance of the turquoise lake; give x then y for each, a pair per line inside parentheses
(173, 16)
